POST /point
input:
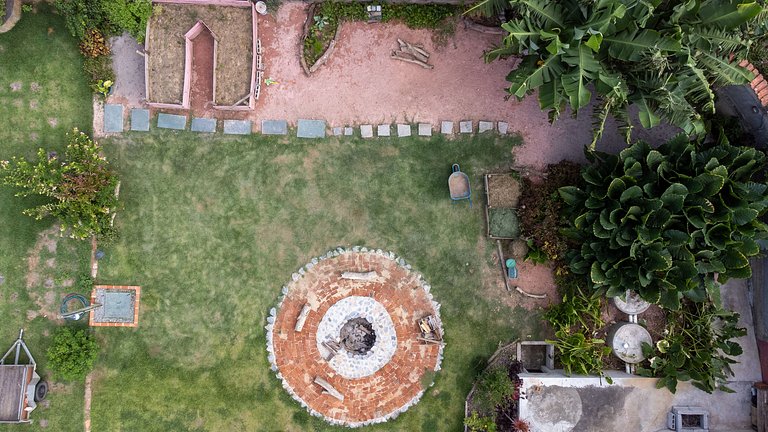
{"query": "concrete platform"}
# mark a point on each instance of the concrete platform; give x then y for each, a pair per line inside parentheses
(366, 131)
(171, 121)
(237, 127)
(311, 129)
(140, 119)
(207, 125)
(403, 130)
(113, 118)
(274, 127)
(384, 130)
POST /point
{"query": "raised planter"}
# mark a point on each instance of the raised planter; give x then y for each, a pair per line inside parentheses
(12, 15)
(500, 215)
(308, 70)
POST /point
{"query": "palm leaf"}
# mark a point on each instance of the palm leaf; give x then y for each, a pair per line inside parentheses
(721, 71)
(550, 12)
(585, 69)
(530, 75)
(726, 15)
(630, 45)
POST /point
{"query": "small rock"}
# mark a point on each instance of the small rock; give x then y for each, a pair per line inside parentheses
(337, 131)
(43, 423)
(2, 279)
(348, 131)
(16, 86)
(35, 87)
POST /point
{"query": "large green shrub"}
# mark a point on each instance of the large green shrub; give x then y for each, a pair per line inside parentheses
(111, 17)
(668, 222)
(81, 185)
(72, 353)
(696, 347)
(493, 389)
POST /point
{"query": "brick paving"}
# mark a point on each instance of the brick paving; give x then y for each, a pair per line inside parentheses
(758, 83)
(120, 288)
(391, 389)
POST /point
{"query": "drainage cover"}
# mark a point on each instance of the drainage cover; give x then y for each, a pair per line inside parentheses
(627, 339)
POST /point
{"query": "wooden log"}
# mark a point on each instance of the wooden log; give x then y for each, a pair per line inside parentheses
(418, 48)
(501, 261)
(401, 56)
(361, 276)
(302, 318)
(433, 341)
(242, 100)
(527, 294)
(329, 389)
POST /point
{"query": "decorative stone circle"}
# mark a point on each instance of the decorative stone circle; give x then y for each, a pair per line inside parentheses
(372, 323)
(357, 363)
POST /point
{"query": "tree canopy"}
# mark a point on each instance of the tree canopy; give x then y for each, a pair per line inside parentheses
(663, 57)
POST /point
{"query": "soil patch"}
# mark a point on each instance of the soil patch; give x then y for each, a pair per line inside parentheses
(503, 223)
(503, 190)
(201, 91)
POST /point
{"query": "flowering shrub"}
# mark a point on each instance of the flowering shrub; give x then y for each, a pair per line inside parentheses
(81, 186)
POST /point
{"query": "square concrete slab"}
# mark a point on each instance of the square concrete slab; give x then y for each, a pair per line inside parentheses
(384, 130)
(403, 130)
(503, 128)
(140, 119)
(465, 126)
(484, 126)
(446, 127)
(348, 131)
(118, 305)
(203, 125)
(366, 131)
(337, 131)
(425, 129)
(311, 129)
(274, 127)
(171, 121)
(237, 127)
(113, 118)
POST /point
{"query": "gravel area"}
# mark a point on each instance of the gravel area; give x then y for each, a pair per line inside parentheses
(129, 88)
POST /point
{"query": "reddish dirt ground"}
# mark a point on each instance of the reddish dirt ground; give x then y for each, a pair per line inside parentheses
(201, 90)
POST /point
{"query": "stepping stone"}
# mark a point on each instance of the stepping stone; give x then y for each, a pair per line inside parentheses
(384, 130)
(503, 128)
(274, 127)
(366, 131)
(140, 119)
(203, 125)
(237, 127)
(484, 126)
(337, 131)
(113, 118)
(446, 127)
(311, 129)
(348, 131)
(465, 126)
(425, 129)
(171, 121)
(403, 130)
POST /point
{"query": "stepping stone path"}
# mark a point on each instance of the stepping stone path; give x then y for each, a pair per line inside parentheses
(237, 127)
(484, 126)
(337, 131)
(207, 125)
(113, 118)
(366, 131)
(465, 126)
(384, 130)
(274, 127)
(446, 127)
(348, 131)
(171, 121)
(503, 128)
(403, 130)
(140, 119)
(425, 129)
(311, 129)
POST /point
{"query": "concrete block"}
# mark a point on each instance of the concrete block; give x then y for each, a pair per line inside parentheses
(425, 129)
(113, 118)
(446, 127)
(237, 127)
(171, 121)
(274, 127)
(403, 130)
(140, 119)
(465, 126)
(366, 131)
(384, 130)
(311, 129)
(199, 124)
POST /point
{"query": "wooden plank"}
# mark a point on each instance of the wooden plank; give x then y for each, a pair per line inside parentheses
(12, 388)
(302, 318)
(762, 407)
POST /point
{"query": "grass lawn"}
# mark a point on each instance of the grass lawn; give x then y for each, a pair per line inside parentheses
(42, 95)
(213, 226)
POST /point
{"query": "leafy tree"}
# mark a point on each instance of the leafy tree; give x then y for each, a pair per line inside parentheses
(83, 188)
(670, 222)
(663, 57)
(72, 353)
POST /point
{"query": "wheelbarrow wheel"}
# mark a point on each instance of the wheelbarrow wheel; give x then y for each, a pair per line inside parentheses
(41, 391)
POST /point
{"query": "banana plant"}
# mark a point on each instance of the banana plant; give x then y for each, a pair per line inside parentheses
(663, 57)
(670, 222)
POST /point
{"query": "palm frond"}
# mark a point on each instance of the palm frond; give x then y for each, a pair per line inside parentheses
(721, 71)
(550, 13)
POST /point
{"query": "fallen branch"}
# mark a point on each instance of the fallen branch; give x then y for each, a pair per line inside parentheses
(536, 296)
(406, 57)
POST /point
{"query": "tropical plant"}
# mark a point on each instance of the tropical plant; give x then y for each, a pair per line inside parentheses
(82, 186)
(72, 353)
(663, 57)
(668, 222)
(493, 389)
(697, 347)
(103, 87)
(478, 423)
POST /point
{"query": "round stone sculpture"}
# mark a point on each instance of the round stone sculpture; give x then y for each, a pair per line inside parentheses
(350, 320)
(627, 339)
(632, 304)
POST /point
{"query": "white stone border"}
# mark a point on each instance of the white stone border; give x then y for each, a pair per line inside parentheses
(295, 277)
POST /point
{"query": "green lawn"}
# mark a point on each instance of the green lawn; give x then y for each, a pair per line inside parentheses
(211, 229)
(46, 68)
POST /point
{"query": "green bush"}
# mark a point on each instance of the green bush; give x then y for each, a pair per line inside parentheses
(98, 69)
(669, 222)
(81, 186)
(477, 423)
(431, 16)
(72, 353)
(111, 17)
(493, 389)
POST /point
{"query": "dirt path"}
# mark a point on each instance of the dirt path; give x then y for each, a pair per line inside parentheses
(87, 409)
(201, 90)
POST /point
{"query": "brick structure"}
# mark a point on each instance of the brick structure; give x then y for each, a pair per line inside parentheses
(295, 355)
(120, 288)
(758, 84)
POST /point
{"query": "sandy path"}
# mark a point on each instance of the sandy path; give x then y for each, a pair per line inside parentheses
(361, 84)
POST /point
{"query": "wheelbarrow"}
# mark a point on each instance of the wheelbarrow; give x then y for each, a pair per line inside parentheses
(458, 185)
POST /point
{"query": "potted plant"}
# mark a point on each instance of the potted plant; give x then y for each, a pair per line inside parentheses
(104, 88)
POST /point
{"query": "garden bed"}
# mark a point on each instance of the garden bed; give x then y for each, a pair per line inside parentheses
(502, 193)
(166, 47)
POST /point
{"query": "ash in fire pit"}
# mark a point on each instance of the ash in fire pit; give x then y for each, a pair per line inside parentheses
(357, 336)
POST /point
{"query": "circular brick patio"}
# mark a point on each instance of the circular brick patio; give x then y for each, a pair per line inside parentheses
(377, 385)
